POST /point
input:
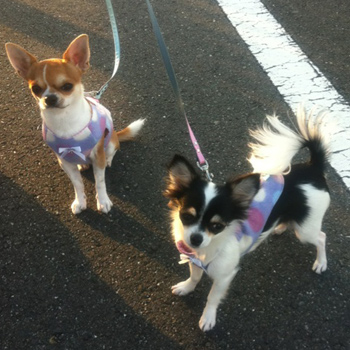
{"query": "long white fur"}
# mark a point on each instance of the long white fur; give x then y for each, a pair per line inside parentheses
(136, 126)
(312, 125)
(277, 144)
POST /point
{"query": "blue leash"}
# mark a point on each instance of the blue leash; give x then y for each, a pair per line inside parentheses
(116, 48)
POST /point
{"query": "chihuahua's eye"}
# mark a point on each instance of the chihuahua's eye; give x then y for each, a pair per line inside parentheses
(216, 227)
(67, 87)
(36, 89)
(187, 218)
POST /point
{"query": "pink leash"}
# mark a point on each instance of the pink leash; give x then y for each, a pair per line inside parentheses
(201, 163)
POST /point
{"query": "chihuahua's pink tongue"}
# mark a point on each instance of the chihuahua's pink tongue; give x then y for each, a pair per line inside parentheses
(183, 248)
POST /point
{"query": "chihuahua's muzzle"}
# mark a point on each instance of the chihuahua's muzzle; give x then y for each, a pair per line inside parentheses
(196, 239)
(51, 101)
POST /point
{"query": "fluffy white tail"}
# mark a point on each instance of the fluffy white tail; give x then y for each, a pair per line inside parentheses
(277, 144)
(131, 131)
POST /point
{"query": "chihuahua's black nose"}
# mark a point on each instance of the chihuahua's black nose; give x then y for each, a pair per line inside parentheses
(51, 100)
(196, 239)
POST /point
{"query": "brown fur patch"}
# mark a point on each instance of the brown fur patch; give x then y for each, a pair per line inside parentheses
(115, 140)
(125, 134)
(58, 72)
(100, 154)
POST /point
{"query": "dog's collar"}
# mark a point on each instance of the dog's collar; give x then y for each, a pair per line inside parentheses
(271, 188)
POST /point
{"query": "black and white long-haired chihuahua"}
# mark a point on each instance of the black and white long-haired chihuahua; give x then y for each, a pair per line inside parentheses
(214, 225)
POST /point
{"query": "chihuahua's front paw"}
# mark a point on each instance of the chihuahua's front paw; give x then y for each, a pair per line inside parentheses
(78, 206)
(104, 205)
(183, 288)
(208, 319)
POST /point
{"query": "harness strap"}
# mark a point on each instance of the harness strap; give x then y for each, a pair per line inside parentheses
(271, 188)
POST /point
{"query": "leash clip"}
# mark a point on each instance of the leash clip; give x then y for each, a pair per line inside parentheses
(205, 169)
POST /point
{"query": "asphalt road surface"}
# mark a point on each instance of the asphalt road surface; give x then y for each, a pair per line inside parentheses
(97, 281)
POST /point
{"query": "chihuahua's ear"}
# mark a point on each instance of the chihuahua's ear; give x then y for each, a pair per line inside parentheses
(180, 175)
(244, 189)
(20, 59)
(78, 52)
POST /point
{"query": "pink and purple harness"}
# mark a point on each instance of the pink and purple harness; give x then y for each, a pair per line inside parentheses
(258, 214)
(77, 149)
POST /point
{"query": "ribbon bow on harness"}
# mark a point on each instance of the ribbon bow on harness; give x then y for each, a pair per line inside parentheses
(63, 151)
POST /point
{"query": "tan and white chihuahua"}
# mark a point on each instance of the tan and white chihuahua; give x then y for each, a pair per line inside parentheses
(76, 127)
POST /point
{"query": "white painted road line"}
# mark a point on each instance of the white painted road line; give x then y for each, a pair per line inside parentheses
(296, 77)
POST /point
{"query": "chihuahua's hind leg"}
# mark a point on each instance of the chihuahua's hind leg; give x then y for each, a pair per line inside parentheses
(316, 237)
(98, 157)
(320, 263)
(127, 134)
(280, 229)
(74, 175)
(309, 231)
(112, 147)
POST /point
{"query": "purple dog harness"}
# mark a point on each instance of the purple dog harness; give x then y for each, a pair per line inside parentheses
(258, 213)
(77, 149)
